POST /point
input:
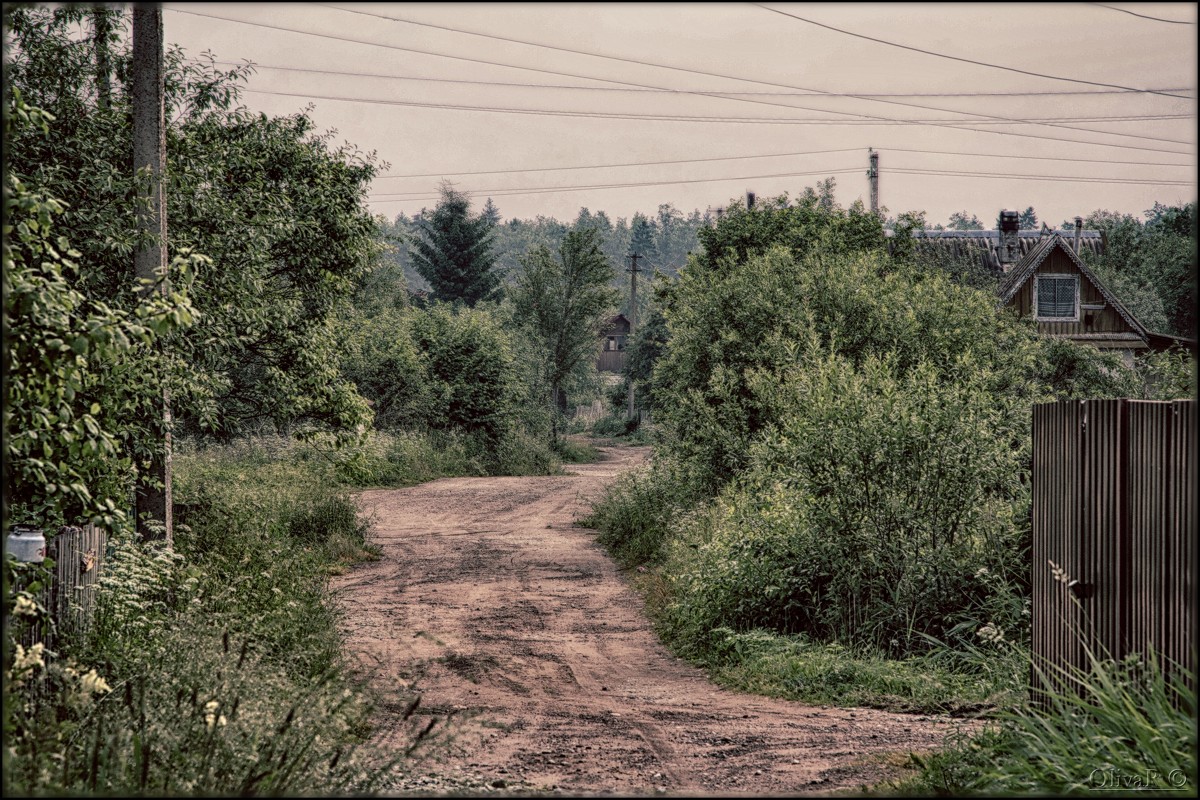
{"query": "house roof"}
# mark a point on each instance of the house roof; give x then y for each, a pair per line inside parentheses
(612, 323)
(985, 243)
(1024, 269)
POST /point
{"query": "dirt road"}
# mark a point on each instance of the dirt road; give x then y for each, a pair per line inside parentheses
(539, 669)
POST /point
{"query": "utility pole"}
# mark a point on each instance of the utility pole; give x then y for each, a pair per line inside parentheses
(873, 176)
(633, 273)
(102, 28)
(153, 504)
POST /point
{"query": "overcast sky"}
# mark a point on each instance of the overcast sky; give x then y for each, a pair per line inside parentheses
(436, 102)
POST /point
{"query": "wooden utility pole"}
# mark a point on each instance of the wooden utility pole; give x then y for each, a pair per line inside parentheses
(873, 176)
(633, 273)
(101, 28)
(150, 260)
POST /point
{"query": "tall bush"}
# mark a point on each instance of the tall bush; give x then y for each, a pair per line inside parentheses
(869, 513)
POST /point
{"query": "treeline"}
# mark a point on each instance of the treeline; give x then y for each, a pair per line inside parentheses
(664, 240)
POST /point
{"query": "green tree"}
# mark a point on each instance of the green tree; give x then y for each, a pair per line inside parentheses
(79, 374)
(1151, 266)
(1027, 220)
(649, 341)
(469, 374)
(490, 213)
(453, 251)
(962, 221)
(279, 212)
(562, 302)
(642, 234)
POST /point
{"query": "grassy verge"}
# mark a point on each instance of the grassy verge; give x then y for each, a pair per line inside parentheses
(216, 668)
(1128, 729)
(792, 668)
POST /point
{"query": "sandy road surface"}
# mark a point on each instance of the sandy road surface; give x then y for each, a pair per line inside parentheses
(541, 670)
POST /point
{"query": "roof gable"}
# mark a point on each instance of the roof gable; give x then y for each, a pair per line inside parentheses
(1024, 269)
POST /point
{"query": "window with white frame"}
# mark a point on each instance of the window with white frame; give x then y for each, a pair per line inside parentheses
(1056, 297)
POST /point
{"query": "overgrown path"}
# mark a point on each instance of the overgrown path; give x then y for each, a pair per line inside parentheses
(541, 670)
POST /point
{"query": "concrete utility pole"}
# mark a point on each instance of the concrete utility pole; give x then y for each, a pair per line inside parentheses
(150, 261)
(633, 273)
(873, 176)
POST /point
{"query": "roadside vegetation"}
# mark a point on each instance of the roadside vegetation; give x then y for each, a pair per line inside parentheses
(837, 510)
(838, 507)
(300, 370)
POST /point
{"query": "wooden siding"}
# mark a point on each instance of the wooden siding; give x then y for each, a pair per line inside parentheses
(611, 361)
(1114, 507)
(1106, 320)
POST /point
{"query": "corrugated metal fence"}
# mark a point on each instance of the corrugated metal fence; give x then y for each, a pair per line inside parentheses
(1114, 510)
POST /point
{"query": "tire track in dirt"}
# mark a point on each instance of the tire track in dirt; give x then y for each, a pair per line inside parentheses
(537, 663)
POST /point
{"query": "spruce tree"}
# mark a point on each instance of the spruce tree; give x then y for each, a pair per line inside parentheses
(453, 251)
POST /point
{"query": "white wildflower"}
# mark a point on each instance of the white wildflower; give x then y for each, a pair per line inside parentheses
(28, 660)
(92, 683)
(211, 717)
(991, 633)
(25, 607)
(979, 573)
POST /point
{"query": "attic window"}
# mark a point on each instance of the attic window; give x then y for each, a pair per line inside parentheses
(1057, 298)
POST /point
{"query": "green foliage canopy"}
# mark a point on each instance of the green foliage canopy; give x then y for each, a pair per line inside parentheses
(279, 212)
(81, 376)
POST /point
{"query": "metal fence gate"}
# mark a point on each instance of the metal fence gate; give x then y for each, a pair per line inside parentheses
(1114, 509)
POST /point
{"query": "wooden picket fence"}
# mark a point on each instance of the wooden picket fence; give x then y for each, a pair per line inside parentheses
(1114, 522)
(70, 599)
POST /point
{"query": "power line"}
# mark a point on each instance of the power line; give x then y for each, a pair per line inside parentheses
(807, 93)
(1056, 178)
(1143, 16)
(632, 184)
(627, 164)
(629, 115)
(749, 80)
(702, 94)
(1039, 158)
(775, 155)
(507, 192)
(964, 60)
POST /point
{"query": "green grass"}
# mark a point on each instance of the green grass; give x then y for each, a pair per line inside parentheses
(828, 674)
(573, 449)
(1128, 728)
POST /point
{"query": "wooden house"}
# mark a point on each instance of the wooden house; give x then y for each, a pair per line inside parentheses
(1051, 284)
(615, 334)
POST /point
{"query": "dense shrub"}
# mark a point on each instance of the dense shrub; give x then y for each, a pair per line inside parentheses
(737, 326)
(637, 515)
(868, 514)
(469, 371)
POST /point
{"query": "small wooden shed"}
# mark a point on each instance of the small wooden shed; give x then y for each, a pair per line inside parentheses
(615, 334)
(1051, 284)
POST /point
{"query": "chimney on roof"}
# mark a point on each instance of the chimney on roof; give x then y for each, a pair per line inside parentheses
(749, 199)
(1008, 250)
(1078, 232)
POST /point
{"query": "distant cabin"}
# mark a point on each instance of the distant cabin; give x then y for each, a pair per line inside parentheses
(612, 355)
(1051, 284)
